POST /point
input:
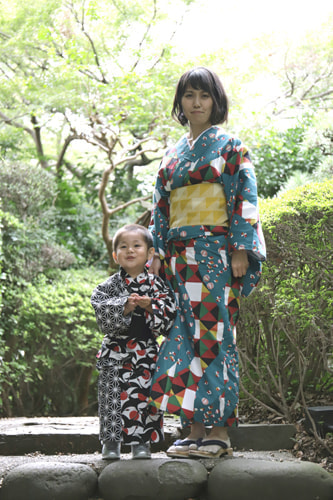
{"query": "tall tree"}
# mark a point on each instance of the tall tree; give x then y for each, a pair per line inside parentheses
(78, 77)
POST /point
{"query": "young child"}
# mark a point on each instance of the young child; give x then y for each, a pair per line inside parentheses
(132, 309)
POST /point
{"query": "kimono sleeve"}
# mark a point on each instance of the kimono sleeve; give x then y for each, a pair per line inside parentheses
(245, 232)
(108, 303)
(164, 307)
(160, 219)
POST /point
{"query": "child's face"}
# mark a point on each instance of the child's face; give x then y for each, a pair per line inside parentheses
(132, 253)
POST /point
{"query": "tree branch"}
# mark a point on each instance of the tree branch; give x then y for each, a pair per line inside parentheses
(81, 23)
(128, 204)
(64, 148)
(34, 132)
(321, 95)
(16, 124)
(38, 141)
(145, 35)
(158, 59)
(125, 158)
(140, 152)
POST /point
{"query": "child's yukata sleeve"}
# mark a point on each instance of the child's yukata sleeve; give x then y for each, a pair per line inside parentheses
(245, 232)
(159, 224)
(108, 304)
(164, 307)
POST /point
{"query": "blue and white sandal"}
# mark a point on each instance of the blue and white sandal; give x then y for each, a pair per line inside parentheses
(181, 448)
(211, 448)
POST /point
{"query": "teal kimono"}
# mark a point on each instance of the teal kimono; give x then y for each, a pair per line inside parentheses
(205, 207)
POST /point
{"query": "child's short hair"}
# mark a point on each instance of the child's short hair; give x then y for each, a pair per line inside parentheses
(146, 234)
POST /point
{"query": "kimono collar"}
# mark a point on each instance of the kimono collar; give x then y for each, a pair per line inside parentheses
(128, 279)
(213, 129)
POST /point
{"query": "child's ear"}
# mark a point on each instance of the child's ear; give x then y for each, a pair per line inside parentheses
(114, 255)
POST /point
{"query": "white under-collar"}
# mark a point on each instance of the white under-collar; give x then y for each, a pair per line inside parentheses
(192, 142)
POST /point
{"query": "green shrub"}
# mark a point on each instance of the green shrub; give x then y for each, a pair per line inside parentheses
(285, 331)
(278, 154)
(50, 358)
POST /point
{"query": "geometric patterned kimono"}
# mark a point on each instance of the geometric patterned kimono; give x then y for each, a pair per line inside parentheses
(127, 358)
(205, 206)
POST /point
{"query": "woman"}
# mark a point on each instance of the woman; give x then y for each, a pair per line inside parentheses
(209, 246)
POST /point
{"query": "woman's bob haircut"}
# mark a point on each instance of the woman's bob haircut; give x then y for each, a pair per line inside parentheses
(201, 78)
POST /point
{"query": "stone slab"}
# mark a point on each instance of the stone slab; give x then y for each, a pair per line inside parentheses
(80, 435)
(49, 481)
(263, 437)
(164, 479)
(257, 479)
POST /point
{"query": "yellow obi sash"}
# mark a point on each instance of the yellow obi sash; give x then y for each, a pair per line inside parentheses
(198, 204)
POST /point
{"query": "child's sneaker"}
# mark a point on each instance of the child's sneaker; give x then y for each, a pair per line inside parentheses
(141, 451)
(111, 450)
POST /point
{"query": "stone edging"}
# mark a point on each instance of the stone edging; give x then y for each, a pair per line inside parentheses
(169, 479)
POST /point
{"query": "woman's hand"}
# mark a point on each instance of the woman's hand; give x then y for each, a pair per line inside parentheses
(155, 266)
(239, 263)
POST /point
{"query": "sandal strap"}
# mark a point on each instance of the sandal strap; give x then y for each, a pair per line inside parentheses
(209, 442)
(184, 442)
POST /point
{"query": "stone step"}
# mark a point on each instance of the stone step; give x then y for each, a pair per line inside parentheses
(50, 435)
(60, 459)
(232, 478)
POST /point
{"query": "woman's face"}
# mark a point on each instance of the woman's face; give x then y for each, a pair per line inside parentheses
(197, 107)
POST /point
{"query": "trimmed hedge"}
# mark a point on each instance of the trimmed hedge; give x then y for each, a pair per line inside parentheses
(285, 332)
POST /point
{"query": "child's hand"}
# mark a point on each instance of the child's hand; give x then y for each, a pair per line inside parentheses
(134, 300)
(131, 303)
(144, 301)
